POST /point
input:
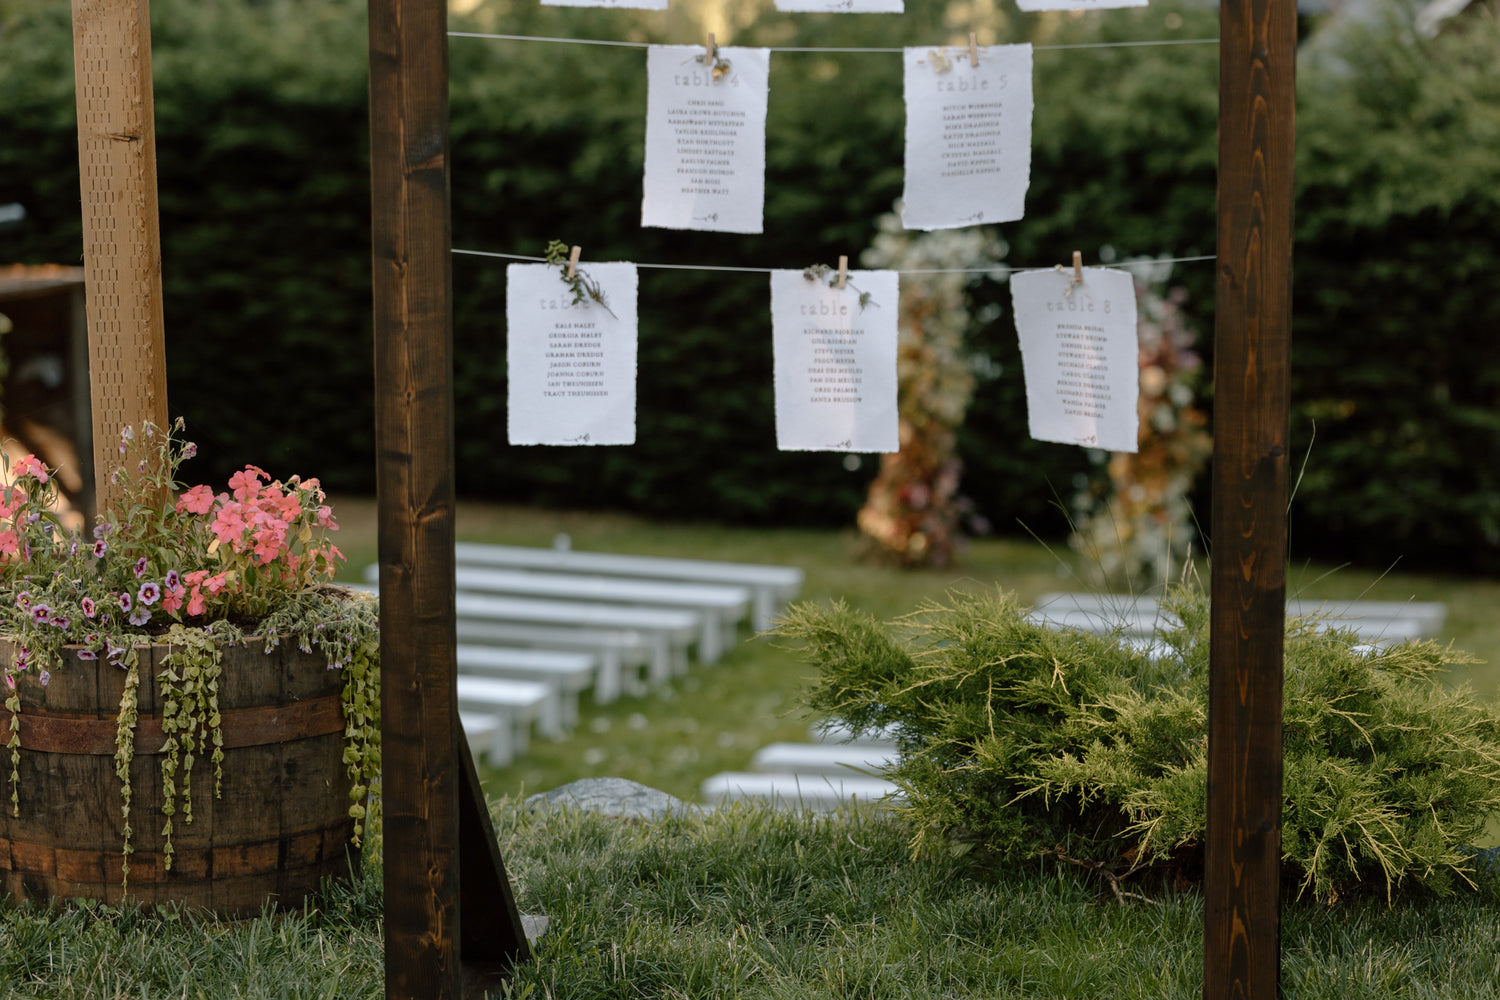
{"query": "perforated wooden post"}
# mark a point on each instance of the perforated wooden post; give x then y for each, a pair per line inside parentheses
(121, 237)
(1242, 924)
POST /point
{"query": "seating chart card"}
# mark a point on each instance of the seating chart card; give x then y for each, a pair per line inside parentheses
(633, 4)
(571, 366)
(1079, 355)
(841, 6)
(968, 136)
(1034, 6)
(705, 139)
(835, 362)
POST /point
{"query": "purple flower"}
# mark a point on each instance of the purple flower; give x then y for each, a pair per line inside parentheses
(189, 450)
(140, 616)
(87, 654)
(23, 600)
(101, 529)
(125, 602)
(10, 680)
(140, 567)
(59, 621)
(100, 547)
(40, 613)
(173, 581)
(44, 677)
(88, 607)
(23, 659)
(149, 593)
(73, 549)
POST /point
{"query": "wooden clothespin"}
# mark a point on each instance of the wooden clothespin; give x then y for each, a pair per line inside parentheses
(1077, 267)
(712, 46)
(573, 261)
(843, 269)
(974, 49)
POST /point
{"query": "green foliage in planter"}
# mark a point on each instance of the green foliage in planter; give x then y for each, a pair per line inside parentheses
(1025, 740)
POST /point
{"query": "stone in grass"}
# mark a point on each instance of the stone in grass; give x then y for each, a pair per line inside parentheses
(612, 797)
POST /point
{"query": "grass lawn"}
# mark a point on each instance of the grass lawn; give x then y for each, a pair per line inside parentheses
(749, 903)
(715, 718)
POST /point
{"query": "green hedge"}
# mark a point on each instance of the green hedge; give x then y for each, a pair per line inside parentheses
(261, 124)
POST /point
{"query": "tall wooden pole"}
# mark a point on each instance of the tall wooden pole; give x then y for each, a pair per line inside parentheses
(121, 234)
(450, 922)
(1257, 100)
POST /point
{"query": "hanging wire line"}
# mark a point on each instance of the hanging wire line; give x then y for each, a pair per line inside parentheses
(774, 48)
(1005, 268)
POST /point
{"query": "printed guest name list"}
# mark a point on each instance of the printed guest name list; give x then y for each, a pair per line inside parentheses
(705, 139)
(835, 362)
(1080, 355)
(571, 365)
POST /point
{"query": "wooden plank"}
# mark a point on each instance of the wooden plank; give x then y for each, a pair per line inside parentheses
(436, 876)
(414, 477)
(121, 234)
(1241, 947)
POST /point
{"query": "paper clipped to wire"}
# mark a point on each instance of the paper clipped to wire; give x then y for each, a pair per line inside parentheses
(968, 136)
(835, 361)
(1079, 355)
(1035, 6)
(841, 6)
(705, 138)
(571, 365)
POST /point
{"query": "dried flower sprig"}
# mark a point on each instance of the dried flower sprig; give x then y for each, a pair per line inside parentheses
(718, 65)
(579, 283)
(824, 273)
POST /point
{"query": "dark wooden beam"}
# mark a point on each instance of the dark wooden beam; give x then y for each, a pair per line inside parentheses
(1257, 127)
(438, 838)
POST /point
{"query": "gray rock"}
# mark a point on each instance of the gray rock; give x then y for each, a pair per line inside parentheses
(611, 797)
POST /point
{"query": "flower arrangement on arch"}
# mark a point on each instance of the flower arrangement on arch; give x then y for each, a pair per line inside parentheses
(194, 569)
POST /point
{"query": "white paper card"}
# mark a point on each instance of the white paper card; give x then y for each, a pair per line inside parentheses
(633, 4)
(1079, 353)
(841, 6)
(968, 136)
(571, 366)
(835, 362)
(705, 140)
(1033, 6)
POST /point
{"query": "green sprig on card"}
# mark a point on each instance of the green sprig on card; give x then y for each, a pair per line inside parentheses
(718, 65)
(579, 283)
(826, 274)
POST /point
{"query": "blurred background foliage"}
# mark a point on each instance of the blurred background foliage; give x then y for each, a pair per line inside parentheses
(261, 121)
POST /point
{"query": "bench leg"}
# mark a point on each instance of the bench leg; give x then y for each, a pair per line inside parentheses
(607, 681)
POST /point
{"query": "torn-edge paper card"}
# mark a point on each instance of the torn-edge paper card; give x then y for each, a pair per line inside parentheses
(841, 6)
(570, 365)
(1080, 355)
(1036, 6)
(835, 361)
(705, 139)
(622, 4)
(968, 136)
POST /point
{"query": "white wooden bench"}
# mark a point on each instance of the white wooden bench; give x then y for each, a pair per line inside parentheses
(1135, 618)
(506, 708)
(621, 652)
(844, 760)
(569, 673)
(813, 792)
(771, 586)
(721, 606)
(670, 630)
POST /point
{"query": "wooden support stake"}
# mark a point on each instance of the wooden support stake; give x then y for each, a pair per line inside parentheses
(1242, 924)
(121, 234)
(433, 888)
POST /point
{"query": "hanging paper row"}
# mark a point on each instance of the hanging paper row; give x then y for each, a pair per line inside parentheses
(571, 356)
(968, 137)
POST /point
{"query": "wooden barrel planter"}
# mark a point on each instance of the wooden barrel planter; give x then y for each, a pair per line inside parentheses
(280, 825)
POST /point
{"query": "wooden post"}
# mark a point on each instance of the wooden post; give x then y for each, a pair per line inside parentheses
(121, 234)
(1242, 929)
(438, 837)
